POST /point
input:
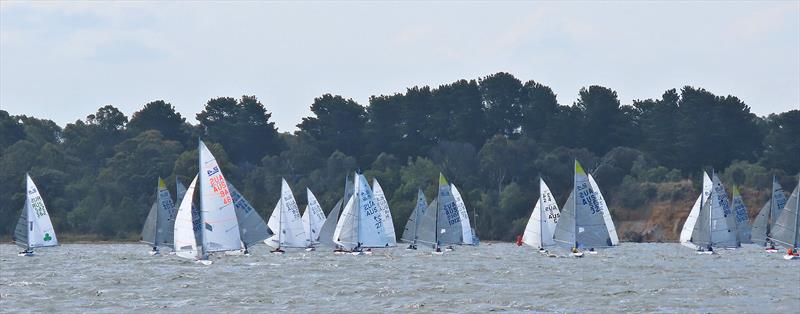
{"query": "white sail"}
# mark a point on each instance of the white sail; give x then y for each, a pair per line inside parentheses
(410, 231)
(383, 205)
(198, 222)
(313, 218)
(448, 221)
(742, 218)
(34, 228)
(185, 241)
(542, 224)
(220, 226)
(786, 231)
(346, 233)
(612, 230)
(466, 228)
(286, 222)
(689, 225)
(724, 233)
(329, 227)
(371, 225)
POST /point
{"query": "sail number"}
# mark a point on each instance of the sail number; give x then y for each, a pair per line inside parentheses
(221, 188)
(38, 206)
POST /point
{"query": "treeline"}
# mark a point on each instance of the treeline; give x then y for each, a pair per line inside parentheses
(493, 137)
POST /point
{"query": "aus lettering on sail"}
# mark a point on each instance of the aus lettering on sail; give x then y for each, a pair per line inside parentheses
(451, 211)
(219, 185)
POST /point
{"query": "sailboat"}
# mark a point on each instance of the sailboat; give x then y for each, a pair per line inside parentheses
(581, 223)
(542, 224)
(383, 206)
(601, 201)
(220, 227)
(742, 219)
(34, 228)
(786, 231)
(185, 238)
(361, 224)
(441, 223)
(286, 223)
(761, 229)
(410, 231)
(691, 220)
(715, 225)
(313, 220)
(329, 227)
(467, 231)
(158, 227)
(252, 229)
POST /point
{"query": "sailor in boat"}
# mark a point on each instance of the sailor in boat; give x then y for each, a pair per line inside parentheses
(411, 247)
(450, 248)
(592, 251)
(438, 248)
(278, 250)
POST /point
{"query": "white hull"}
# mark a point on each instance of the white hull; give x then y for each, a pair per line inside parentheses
(791, 257)
(310, 249)
(438, 253)
(204, 262)
(771, 250)
(705, 252)
(153, 253)
(578, 254)
(25, 254)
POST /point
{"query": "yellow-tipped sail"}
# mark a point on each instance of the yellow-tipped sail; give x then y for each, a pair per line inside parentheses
(578, 168)
(442, 180)
(161, 184)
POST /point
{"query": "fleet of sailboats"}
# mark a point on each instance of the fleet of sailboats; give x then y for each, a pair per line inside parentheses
(361, 220)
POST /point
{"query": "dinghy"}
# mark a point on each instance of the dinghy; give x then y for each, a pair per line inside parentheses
(361, 224)
(383, 206)
(715, 225)
(185, 240)
(252, 229)
(287, 223)
(159, 225)
(742, 219)
(761, 229)
(691, 220)
(410, 232)
(34, 228)
(581, 224)
(441, 226)
(220, 227)
(786, 231)
(539, 230)
(313, 219)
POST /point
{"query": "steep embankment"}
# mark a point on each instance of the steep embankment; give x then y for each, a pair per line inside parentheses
(662, 218)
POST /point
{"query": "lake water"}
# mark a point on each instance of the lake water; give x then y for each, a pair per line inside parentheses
(669, 278)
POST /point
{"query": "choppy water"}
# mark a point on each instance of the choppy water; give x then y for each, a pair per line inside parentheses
(497, 277)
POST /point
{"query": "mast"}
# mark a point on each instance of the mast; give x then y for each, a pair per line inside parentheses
(575, 205)
(796, 217)
(416, 218)
(541, 216)
(710, 213)
(358, 211)
(769, 211)
(436, 230)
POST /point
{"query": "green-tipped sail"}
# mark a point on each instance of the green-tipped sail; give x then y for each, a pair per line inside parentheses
(742, 219)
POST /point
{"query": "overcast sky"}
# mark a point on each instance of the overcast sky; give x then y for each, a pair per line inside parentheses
(64, 60)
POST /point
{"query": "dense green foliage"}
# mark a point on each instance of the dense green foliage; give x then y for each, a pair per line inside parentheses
(492, 137)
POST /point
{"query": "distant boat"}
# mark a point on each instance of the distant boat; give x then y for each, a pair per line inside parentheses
(612, 230)
(542, 224)
(383, 205)
(410, 231)
(220, 227)
(252, 229)
(361, 223)
(286, 223)
(715, 226)
(313, 219)
(158, 227)
(34, 228)
(329, 227)
(691, 220)
(467, 232)
(441, 224)
(581, 224)
(767, 216)
(742, 219)
(786, 230)
(185, 239)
